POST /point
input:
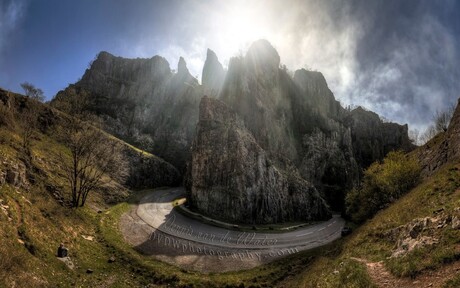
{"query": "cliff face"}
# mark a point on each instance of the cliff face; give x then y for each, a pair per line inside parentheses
(142, 102)
(232, 177)
(372, 138)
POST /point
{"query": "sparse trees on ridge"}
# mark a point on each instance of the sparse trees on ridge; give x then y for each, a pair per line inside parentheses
(441, 120)
(33, 92)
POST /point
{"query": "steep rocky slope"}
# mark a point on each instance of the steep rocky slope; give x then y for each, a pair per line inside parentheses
(232, 177)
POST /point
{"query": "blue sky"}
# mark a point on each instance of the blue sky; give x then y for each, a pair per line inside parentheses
(398, 58)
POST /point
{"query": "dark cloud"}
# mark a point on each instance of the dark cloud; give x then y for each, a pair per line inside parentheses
(407, 58)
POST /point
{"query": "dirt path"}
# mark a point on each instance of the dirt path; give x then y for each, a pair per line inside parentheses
(382, 278)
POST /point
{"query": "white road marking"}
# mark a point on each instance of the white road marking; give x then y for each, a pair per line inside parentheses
(308, 233)
(321, 229)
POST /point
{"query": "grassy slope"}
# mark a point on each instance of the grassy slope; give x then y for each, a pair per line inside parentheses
(439, 192)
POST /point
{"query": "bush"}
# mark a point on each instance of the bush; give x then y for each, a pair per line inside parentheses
(382, 184)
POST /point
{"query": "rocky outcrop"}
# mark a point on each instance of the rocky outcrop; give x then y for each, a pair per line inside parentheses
(213, 75)
(233, 178)
(14, 174)
(317, 94)
(372, 138)
(420, 232)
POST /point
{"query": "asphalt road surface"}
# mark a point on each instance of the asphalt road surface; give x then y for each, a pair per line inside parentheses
(156, 210)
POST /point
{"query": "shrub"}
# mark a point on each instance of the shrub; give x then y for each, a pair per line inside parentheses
(382, 184)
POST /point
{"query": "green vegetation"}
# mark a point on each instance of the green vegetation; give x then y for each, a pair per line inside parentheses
(383, 183)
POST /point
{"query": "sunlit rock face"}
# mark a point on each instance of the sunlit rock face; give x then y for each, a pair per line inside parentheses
(143, 102)
(298, 122)
(295, 120)
(213, 75)
(232, 177)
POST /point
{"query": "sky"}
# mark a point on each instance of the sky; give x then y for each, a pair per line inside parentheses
(400, 59)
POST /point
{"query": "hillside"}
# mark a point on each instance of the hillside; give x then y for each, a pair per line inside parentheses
(35, 214)
(413, 243)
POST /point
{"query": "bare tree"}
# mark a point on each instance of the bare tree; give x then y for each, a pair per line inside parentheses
(95, 160)
(442, 118)
(31, 91)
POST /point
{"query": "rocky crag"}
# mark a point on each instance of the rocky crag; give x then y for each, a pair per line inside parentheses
(295, 120)
(232, 177)
(141, 101)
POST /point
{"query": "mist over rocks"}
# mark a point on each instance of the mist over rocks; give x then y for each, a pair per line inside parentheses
(294, 122)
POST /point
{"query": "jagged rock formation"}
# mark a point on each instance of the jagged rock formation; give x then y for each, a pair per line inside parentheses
(213, 75)
(295, 120)
(233, 178)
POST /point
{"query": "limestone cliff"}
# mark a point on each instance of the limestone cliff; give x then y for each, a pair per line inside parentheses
(142, 101)
(232, 177)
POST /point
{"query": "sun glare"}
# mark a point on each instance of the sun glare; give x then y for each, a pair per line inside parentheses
(240, 24)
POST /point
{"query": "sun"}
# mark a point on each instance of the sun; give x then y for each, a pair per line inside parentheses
(241, 23)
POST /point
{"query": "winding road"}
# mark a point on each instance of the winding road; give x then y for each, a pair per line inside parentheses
(155, 228)
(157, 210)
